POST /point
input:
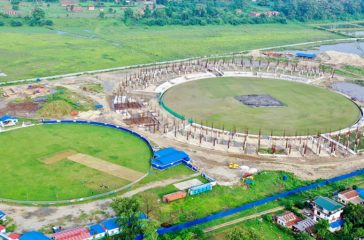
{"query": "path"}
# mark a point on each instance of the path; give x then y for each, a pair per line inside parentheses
(34, 217)
(242, 219)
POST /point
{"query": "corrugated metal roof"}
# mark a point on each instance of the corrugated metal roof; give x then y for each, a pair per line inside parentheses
(96, 229)
(337, 223)
(328, 204)
(33, 235)
(110, 224)
(79, 233)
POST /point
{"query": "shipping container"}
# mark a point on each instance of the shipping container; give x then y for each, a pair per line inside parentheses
(200, 189)
(174, 196)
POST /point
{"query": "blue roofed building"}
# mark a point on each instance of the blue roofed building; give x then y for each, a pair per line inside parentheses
(336, 225)
(328, 209)
(34, 235)
(3, 216)
(6, 121)
(169, 157)
(111, 226)
(97, 231)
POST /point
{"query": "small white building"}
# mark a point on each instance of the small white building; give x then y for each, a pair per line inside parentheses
(330, 210)
(6, 121)
(349, 196)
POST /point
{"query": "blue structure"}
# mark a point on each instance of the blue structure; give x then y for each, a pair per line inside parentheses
(169, 157)
(34, 236)
(360, 191)
(7, 120)
(306, 55)
(285, 177)
(99, 106)
(97, 231)
(111, 226)
(2, 215)
(337, 224)
(200, 189)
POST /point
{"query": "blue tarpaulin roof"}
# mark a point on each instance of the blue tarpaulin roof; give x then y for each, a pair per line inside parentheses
(337, 223)
(96, 229)
(34, 236)
(110, 224)
(328, 204)
(360, 192)
(6, 118)
(2, 214)
(305, 55)
(169, 156)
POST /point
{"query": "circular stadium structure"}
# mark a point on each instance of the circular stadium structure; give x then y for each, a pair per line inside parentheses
(260, 105)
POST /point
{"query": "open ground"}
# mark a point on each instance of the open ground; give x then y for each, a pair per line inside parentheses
(36, 166)
(306, 108)
(90, 44)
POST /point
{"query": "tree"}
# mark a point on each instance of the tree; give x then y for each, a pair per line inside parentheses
(242, 234)
(149, 202)
(38, 17)
(322, 229)
(129, 214)
(303, 236)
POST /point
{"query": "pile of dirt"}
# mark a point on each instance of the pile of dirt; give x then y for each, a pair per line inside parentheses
(339, 58)
(255, 100)
(24, 109)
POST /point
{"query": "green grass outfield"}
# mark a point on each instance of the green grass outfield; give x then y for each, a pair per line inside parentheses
(24, 175)
(308, 108)
(91, 44)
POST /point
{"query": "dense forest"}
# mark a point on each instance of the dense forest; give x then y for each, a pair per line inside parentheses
(202, 12)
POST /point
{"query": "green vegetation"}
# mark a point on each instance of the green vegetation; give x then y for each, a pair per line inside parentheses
(62, 102)
(307, 109)
(26, 176)
(93, 87)
(220, 198)
(74, 45)
(257, 229)
(351, 71)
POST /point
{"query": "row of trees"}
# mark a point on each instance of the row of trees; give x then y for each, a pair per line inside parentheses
(305, 10)
(192, 12)
(195, 12)
(37, 18)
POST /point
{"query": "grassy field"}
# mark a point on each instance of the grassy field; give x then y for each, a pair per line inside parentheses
(25, 175)
(74, 45)
(307, 108)
(260, 227)
(220, 198)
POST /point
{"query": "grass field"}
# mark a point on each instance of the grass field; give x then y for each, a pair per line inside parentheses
(307, 108)
(74, 45)
(260, 227)
(26, 176)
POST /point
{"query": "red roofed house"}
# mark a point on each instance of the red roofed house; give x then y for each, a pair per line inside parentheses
(271, 13)
(2, 229)
(77, 9)
(67, 3)
(287, 219)
(255, 14)
(91, 8)
(11, 12)
(14, 236)
(349, 196)
(79, 233)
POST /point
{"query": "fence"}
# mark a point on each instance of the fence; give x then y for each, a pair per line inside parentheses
(258, 203)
